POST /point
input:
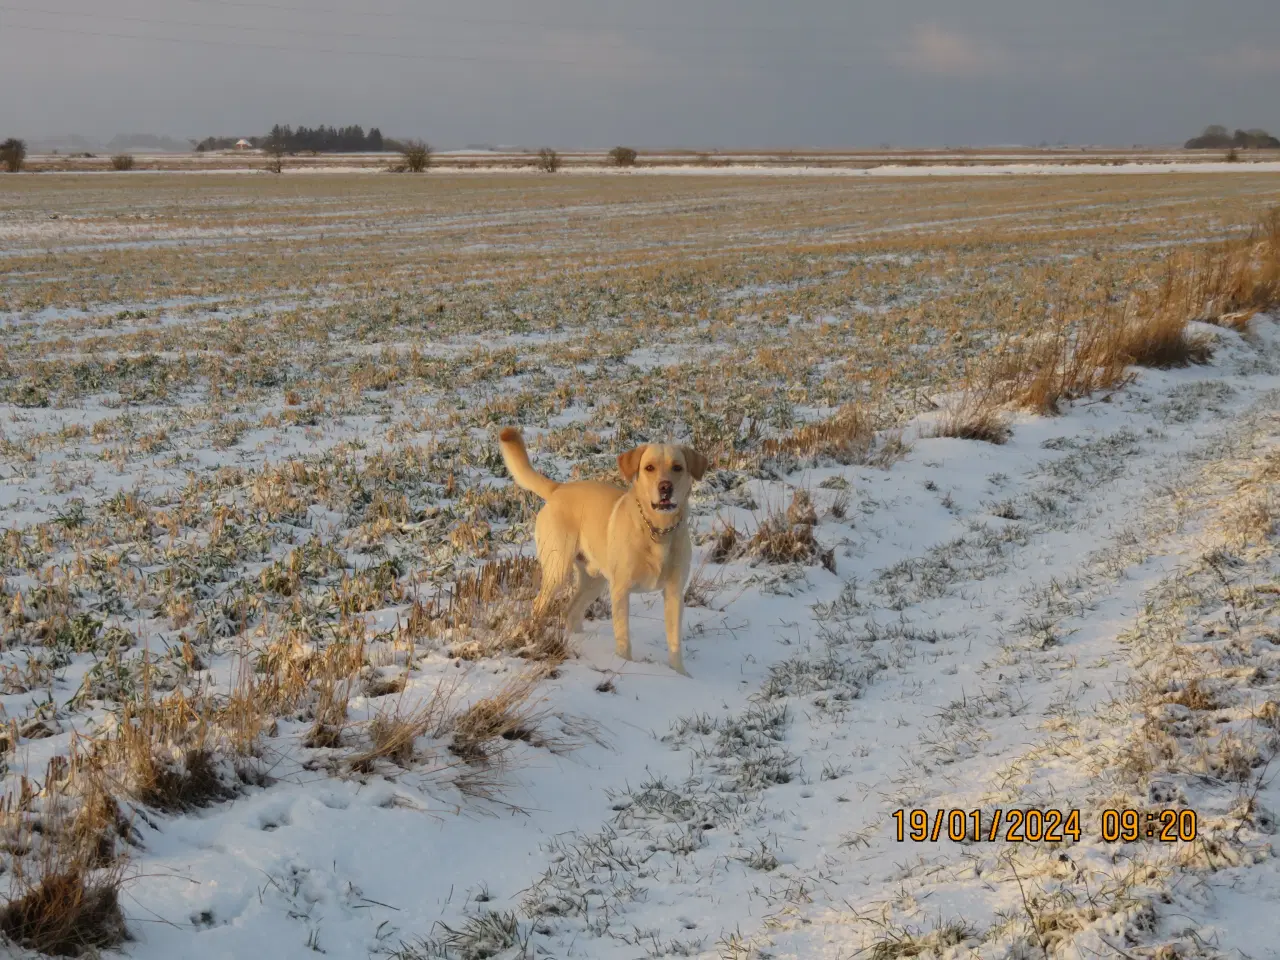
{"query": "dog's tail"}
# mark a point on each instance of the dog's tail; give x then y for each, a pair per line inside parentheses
(516, 458)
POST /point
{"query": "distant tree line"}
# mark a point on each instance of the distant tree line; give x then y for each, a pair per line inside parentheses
(1217, 137)
(320, 139)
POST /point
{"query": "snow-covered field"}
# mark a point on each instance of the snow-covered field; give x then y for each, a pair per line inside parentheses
(795, 163)
(242, 478)
(747, 168)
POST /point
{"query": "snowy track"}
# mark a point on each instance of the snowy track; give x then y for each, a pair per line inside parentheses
(1007, 628)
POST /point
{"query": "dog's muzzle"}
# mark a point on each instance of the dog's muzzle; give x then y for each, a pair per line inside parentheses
(665, 504)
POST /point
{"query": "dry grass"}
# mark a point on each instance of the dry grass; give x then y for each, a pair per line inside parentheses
(725, 543)
(481, 732)
(1228, 283)
(64, 913)
(788, 537)
(846, 437)
(1160, 339)
(702, 588)
(65, 873)
(977, 414)
(164, 755)
(487, 612)
(696, 276)
(393, 733)
(1194, 695)
(1095, 333)
(329, 713)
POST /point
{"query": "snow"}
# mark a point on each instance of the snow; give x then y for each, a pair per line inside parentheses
(996, 621)
(750, 807)
(740, 169)
(944, 170)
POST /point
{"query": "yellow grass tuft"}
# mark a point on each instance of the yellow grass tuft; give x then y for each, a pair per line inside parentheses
(481, 731)
(65, 873)
(846, 437)
(788, 537)
(393, 733)
(487, 613)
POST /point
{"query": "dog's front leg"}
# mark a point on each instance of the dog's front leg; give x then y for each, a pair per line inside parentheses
(672, 614)
(621, 600)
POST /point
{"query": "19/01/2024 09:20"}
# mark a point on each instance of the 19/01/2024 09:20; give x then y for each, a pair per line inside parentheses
(1017, 825)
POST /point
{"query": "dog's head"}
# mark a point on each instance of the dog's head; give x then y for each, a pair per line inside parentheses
(662, 476)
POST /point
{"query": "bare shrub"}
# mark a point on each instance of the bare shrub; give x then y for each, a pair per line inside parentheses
(122, 162)
(12, 154)
(275, 159)
(1233, 156)
(417, 155)
(548, 160)
(623, 157)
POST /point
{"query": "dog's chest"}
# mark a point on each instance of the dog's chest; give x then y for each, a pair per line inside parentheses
(647, 578)
(652, 568)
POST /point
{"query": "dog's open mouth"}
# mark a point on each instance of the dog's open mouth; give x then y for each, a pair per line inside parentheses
(666, 505)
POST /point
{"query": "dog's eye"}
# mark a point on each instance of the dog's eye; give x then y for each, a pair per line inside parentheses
(676, 468)
(649, 468)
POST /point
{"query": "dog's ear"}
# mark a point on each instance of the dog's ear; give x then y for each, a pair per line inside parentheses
(696, 462)
(629, 462)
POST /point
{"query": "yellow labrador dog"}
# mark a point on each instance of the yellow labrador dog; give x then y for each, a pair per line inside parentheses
(632, 540)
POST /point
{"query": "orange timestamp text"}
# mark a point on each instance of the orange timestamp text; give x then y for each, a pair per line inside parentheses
(1014, 825)
(1018, 825)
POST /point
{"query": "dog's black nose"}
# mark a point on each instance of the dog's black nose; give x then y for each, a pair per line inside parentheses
(665, 488)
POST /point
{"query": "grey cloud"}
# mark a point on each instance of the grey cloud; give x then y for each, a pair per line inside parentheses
(716, 73)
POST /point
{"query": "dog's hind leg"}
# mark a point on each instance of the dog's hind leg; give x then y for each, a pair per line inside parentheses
(556, 557)
(589, 588)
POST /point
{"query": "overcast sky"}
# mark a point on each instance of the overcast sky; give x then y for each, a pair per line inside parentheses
(593, 73)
